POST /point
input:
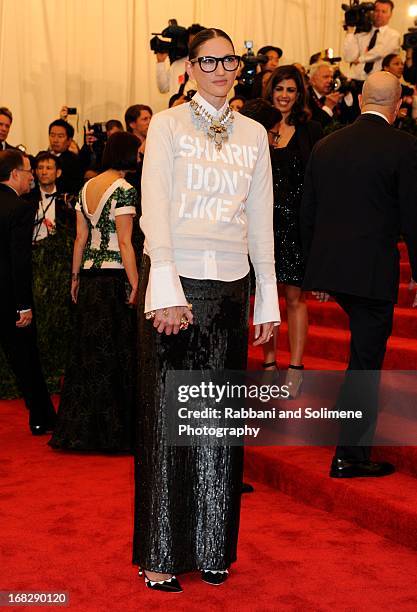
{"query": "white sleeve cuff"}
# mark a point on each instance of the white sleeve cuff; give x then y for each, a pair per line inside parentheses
(266, 308)
(164, 288)
(125, 210)
(327, 110)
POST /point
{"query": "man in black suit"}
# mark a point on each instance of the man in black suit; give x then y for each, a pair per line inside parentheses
(17, 331)
(6, 119)
(360, 194)
(60, 136)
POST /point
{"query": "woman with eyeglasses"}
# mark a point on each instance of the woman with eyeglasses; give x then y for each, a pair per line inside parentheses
(206, 201)
(291, 143)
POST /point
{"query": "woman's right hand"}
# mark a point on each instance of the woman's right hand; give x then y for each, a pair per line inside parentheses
(168, 320)
(75, 285)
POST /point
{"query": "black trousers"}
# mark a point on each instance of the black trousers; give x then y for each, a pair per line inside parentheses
(370, 322)
(21, 350)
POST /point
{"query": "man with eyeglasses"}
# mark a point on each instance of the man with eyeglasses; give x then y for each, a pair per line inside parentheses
(17, 330)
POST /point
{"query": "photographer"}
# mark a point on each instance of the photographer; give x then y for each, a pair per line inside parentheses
(170, 80)
(325, 104)
(92, 150)
(366, 50)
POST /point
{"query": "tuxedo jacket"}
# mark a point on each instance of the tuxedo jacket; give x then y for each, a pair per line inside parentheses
(16, 224)
(360, 195)
(64, 213)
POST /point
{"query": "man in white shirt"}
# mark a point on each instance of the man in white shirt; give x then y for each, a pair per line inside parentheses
(366, 50)
(169, 80)
(47, 171)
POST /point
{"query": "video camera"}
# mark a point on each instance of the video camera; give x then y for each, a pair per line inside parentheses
(250, 64)
(358, 15)
(178, 45)
(342, 84)
(410, 38)
(98, 130)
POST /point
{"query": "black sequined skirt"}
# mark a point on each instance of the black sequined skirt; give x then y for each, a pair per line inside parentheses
(96, 411)
(187, 500)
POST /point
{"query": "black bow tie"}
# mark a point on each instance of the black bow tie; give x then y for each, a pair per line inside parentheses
(51, 195)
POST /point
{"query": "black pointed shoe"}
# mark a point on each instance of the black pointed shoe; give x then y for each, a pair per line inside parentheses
(343, 468)
(214, 577)
(171, 585)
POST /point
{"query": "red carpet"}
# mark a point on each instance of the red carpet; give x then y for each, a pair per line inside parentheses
(69, 522)
(307, 543)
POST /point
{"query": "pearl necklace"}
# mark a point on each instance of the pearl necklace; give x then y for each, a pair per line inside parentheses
(217, 130)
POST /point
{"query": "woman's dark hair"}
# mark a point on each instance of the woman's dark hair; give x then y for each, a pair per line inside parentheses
(202, 37)
(237, 98)
(262, 111)
(121, 152)
(388, 59)
(299, 112)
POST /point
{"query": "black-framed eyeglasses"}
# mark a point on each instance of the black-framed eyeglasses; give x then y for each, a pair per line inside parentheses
(24, 170)
(208, 63)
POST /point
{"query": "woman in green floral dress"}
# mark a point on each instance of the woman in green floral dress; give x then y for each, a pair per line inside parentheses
(96, 408)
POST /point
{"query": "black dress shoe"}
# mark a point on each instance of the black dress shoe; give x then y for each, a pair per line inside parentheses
(246, 488)
(343, 468)
(40, 430)
(214, 577)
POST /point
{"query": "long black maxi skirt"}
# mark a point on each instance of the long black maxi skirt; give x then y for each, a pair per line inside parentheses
(96, 411)
(187, 499)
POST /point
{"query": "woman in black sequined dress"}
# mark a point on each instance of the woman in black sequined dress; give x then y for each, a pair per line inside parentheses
(291, 143)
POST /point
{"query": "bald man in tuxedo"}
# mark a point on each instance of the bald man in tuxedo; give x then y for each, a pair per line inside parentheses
(360, 195)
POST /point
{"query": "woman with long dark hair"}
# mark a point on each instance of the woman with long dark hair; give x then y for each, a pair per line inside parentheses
(291, 143)
(97, 400)
(206, 202)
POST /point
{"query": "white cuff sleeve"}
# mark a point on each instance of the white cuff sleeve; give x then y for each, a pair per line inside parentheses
(327, 110)
(164, 288)
(266, 308)
(125, 210)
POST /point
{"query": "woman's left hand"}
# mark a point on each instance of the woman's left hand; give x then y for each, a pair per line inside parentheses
(133, 297)
(264, 335)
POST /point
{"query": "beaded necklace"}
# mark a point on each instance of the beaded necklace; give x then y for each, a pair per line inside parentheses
(217, 130)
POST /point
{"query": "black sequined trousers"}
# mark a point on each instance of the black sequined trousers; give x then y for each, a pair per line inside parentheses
(96, 411)
(187, 499)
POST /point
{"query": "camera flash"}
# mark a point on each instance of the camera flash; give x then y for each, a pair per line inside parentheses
(412, 10)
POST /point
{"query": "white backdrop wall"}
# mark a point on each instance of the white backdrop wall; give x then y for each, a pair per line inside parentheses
(94, 54)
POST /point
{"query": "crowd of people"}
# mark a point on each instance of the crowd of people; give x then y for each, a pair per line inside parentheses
(212, 184)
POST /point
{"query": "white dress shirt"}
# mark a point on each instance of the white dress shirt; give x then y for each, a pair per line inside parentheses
(355, 48)
(45, 216)
(169, 79)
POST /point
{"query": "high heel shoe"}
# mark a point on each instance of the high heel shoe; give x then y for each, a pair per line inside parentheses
(214, 577)
(294, 380)
(170, 585)
(270, 364)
